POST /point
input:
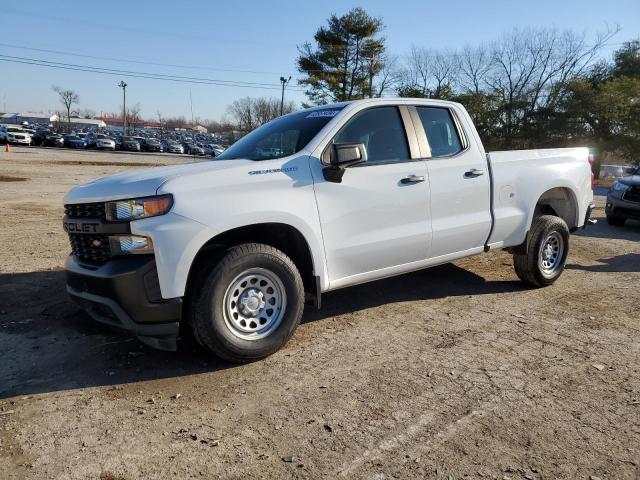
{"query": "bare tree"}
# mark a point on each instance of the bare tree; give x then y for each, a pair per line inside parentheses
(530, 67)
(417, 72)
(429, 73)
(249, 113)
(444, 71)
(133, 117)
(87, 113)
(68, 98)
(388, 77)
(474, 67)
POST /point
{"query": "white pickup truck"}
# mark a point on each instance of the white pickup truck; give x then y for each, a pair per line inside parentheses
(317, 200)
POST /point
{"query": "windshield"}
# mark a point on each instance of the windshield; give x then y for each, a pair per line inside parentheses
(281, 137)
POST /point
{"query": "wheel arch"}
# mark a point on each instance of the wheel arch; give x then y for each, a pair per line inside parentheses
(282, 236)
(560, 201)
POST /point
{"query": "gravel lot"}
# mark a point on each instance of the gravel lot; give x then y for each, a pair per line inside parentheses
(453, 372)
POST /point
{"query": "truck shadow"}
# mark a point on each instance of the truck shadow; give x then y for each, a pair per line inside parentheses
(630, 230)
(48, 344)
(628, 262)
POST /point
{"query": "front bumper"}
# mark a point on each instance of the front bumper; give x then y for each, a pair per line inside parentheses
(125, 293)
(19, 141)
(619, 207)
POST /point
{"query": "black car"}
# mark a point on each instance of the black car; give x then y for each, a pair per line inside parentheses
(39, 137)
(623, 199)
(152, 145)
(192, 149)
(130, 143)
(73, 141)
(54, 140)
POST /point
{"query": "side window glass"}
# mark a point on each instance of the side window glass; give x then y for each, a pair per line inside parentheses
(441, 131)
(382, 132)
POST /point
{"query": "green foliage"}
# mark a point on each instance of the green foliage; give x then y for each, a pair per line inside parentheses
(347, 56)
(627, 60)
(604, 108)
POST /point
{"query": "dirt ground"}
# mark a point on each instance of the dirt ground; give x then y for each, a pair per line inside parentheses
(453, 372)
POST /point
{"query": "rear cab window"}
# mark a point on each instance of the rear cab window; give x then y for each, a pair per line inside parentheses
(441, 130)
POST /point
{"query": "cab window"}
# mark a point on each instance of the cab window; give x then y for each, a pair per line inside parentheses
(381, 130)
(441, 131)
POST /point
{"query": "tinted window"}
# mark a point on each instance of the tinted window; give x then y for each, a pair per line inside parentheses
(382, 132)
(441, 131)
(281, 137)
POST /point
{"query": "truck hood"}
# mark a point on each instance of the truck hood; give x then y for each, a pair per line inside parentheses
(141, 183)
(632, 180)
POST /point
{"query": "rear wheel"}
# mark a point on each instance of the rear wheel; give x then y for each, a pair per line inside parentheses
(545, 254)
(249, 304)
(615, 220)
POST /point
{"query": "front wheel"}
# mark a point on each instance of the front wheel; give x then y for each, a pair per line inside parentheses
(249, 304)
(545, 254)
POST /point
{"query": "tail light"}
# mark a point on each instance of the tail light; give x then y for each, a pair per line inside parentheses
(591, 159)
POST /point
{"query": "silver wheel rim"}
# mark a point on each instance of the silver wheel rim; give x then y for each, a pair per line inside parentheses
(551, 254)
(254, 304)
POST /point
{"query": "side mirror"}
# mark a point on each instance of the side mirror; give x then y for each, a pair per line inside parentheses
(342, 155)
(345, 154)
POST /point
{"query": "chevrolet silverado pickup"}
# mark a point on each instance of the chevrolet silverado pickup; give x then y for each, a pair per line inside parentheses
(313, 201)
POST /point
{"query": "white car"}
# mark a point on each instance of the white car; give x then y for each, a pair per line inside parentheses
(314, 201)
(14, 135)
(105, 143)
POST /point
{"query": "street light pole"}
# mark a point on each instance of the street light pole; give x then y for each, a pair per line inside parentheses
(284, 82)
(123, 86)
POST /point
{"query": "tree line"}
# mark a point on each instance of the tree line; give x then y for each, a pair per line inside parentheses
(529, 88)
(537, 87)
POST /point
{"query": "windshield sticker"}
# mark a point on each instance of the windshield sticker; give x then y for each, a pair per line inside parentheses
(323, 113)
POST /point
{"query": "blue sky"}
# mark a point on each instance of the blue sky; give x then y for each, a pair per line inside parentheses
(226, 40)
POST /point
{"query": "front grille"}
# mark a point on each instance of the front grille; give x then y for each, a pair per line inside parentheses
(632, 195)
(85, 210)
(92, 249)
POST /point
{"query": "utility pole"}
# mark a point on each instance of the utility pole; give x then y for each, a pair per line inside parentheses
(123, 86)
(284, 82)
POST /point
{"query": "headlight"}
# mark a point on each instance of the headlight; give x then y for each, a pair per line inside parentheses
(137, 208)
(619, 187)
(130, 244)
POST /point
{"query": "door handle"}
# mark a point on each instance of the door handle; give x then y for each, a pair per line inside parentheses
(412, 179)
(474, 172)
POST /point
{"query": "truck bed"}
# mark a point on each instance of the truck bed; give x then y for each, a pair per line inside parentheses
(521, 177)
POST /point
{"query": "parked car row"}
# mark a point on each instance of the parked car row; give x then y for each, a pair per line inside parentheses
(180, 143)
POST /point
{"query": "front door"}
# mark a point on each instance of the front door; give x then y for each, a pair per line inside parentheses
(377, 218)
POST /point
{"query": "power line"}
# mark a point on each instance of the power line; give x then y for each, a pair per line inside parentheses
(140, 62)
(138, 74)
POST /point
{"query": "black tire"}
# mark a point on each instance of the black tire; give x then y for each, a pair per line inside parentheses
(527, 262)
(615, 220)
(215, 331)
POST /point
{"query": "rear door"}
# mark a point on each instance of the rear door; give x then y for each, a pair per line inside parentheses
(377, 218)
(459, 182)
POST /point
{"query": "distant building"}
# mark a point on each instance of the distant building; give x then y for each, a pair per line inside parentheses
(46, 119)
(88, 123)
(191, 127)
(116, 123)
(29, 117)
